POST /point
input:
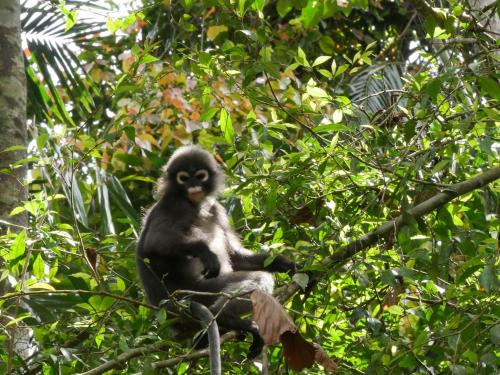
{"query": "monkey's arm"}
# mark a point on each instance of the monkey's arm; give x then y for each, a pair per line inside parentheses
(201, 250)
(245, 260)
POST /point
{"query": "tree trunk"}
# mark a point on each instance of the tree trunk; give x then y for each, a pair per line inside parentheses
(12, 133)
(13, 114)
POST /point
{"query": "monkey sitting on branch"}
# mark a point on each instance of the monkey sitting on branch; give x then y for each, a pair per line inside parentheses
(187, 244)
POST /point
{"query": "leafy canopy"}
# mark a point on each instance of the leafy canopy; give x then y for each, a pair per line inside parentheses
(330, 117)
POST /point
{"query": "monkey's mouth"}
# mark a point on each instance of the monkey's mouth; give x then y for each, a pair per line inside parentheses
(195, 194)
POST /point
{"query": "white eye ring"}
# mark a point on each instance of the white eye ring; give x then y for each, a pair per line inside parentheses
(181, 177)
(202, 175)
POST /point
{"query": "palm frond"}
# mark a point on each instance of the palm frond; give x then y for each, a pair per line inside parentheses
(52, 63)
(371, 87)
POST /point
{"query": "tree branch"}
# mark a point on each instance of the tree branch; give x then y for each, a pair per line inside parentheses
(125, 356)
(192, 356)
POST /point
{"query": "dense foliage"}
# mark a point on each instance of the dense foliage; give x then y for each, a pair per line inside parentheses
(330, 118)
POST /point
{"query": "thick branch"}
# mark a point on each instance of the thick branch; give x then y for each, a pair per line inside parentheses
(192, 356)
(419, 210)
(124, 357)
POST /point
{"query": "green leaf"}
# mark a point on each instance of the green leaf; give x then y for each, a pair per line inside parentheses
(16, 210)
(301, 57)
(74, 195)
(226, 126)
(18, 247)
(327, 44)
(325, 73)
(39, 267)
(440, 166)
(326, 128)
(147, 59)
(317, 92)
(311, 13)
(113, 25)
(14, 148)
(320, 60)
(490, 86)
(337, 116)
(488, 278)
(301, 279)
(495, 335)
(214, 31)
(341, 69)
(208, 114)
(395, 310)
(284, 7)
(120, 198)
(70, 17)
(44, 286)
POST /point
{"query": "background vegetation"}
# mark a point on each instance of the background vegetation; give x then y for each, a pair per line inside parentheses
(329, 117)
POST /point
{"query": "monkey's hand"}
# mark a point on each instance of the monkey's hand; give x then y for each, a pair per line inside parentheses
(281, 264)
(211, 264)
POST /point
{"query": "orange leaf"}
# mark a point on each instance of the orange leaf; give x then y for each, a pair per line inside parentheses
(177, 103)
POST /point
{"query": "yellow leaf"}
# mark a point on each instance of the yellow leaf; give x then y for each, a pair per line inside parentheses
(147, 139)
(213, 31)
(41, 286)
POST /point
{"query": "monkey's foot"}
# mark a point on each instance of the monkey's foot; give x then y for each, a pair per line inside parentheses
(256, 347)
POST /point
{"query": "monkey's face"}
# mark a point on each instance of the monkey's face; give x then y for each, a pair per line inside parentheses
(195, 183)
(192, 173)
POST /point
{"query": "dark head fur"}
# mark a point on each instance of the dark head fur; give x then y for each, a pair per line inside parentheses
(190, 159)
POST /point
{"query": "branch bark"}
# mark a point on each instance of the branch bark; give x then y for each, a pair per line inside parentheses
(193, 355)
(124, 357)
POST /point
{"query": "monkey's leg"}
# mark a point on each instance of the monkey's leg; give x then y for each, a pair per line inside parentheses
(226, 318)
(228, 311)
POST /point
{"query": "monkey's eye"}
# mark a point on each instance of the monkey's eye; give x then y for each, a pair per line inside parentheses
(202, 175)
(182, 177)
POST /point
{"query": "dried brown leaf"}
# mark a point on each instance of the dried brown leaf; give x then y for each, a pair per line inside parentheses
(322, 358)
(392, 297)
(298, 352)
(270, 317)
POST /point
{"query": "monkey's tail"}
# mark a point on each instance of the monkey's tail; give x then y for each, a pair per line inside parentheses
(202, 313)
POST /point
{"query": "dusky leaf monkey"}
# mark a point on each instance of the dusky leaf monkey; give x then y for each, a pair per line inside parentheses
(187, 244)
